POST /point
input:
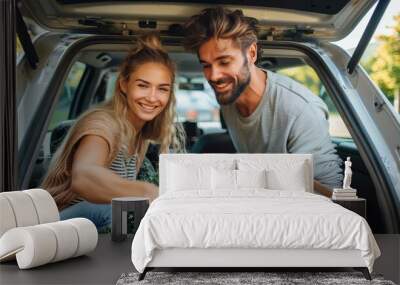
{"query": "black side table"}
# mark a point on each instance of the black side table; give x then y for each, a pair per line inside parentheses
(127, 212)
(358, 206)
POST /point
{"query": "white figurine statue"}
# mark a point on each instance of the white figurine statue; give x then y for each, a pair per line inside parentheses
(347, 174)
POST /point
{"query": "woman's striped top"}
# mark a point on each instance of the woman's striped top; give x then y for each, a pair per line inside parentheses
(122, 165)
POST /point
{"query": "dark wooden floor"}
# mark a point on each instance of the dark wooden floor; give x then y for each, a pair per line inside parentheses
(110, 259)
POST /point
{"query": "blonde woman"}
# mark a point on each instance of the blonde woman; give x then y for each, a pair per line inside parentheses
(103, 151)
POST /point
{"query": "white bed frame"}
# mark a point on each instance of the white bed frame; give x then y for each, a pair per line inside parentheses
(234, 257)
(242, 259)
(246, 257)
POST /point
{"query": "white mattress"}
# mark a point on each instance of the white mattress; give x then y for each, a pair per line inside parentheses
(254, 218)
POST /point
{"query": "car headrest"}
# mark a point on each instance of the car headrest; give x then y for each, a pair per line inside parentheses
(58, 134)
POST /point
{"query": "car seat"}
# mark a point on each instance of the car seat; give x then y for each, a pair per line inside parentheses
(58, 134)
(192, 133)
(215, 143)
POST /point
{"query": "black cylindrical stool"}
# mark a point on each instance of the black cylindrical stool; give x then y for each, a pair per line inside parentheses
(127, 212)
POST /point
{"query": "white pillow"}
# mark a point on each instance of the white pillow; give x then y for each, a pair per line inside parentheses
(223, 179)
(251, 178)
(291, 179)
(188, 177)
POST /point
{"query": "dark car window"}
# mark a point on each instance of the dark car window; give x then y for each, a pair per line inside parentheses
(62, 109)
(111, 81)
(59, 124)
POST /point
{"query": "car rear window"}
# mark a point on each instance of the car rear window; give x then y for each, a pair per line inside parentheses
(307, 76)
(63, 107)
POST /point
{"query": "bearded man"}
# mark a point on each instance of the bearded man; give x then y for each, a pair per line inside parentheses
(264, 112)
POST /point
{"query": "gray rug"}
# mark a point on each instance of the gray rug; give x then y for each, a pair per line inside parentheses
(230, 278)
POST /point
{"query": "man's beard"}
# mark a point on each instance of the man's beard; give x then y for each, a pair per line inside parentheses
(231, 96)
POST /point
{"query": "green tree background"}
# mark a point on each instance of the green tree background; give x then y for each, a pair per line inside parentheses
(381, 61)
(384, 65)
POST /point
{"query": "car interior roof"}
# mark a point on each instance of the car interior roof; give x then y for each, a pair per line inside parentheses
(187, 63)
(326, 7)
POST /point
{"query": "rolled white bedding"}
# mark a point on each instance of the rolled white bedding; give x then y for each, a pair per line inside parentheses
(26, 208)
(40, 244)
(31, 230)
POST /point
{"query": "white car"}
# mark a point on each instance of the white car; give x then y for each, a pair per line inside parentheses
(82, 42)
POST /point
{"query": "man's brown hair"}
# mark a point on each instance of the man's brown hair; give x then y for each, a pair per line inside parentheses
(220, 23)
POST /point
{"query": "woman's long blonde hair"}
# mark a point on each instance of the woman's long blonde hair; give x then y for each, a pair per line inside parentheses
(161, 130)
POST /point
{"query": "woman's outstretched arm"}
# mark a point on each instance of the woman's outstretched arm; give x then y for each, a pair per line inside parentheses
(94, 182)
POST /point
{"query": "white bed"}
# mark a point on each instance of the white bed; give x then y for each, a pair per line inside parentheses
(247, 227)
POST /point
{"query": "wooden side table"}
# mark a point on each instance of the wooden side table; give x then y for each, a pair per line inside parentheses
(358, 206)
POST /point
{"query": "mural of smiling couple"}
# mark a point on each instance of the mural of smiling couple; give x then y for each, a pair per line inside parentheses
(104, 153)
